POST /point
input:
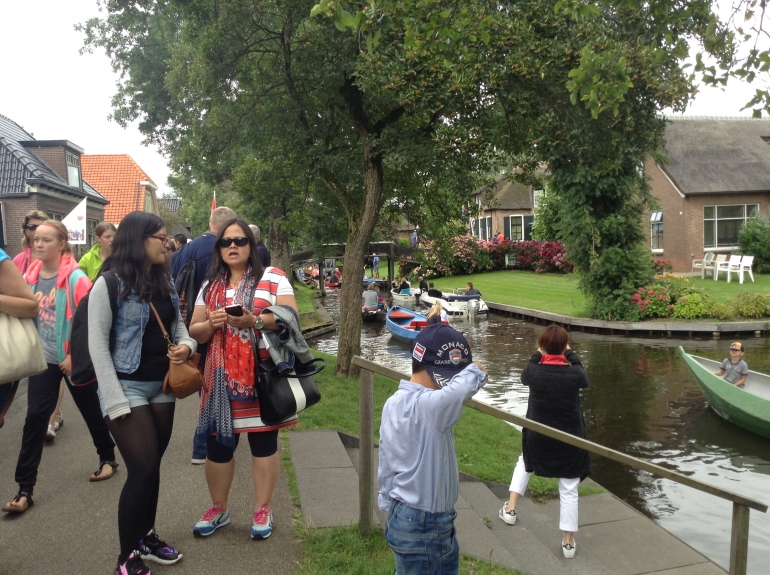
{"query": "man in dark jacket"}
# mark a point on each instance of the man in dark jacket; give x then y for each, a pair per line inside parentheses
(262, 252)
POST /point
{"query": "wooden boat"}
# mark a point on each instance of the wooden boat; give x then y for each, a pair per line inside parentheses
(404, 324)
(380, 283)
(748, 408)
(455, 305)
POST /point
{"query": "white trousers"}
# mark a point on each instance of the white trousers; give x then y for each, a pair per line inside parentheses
(568, 495)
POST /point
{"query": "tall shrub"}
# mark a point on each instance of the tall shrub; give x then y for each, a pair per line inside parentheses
(754, 240)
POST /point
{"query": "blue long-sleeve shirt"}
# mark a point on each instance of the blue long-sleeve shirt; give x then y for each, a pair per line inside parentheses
(418, 462)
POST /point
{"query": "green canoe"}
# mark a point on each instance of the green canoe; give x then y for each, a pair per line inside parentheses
(748, 408)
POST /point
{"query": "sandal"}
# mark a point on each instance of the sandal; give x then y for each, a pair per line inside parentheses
(97, 476)
(8, 508)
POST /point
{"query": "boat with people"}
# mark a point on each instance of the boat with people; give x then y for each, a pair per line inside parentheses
(748, 408)
(404, 300)
(373, 314)
(456, 305)
(404, 324)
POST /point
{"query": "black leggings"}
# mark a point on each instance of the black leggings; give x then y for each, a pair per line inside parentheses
(142, 438)
(262, 443)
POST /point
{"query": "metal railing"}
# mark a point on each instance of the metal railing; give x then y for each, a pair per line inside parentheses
(739, 539)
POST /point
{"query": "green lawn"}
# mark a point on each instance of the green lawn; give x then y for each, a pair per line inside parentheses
(305, 297)
(559, 294)
(547, 292)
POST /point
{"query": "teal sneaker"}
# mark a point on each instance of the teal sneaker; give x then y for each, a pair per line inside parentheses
(262, 527)
(214, 518)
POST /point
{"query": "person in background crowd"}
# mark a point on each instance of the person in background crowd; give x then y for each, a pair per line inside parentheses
(500, 237)
(555, 377)
(16, 300)
(470, 290)
(433, 292)
(91, 263)
(405, 288)
(180, 240)
(375, 266)
(369, 298)
(59, 285)
(418, 476)
(734, 368)
(130, 375)
(31, 221)
(262, 251)
(229, 406)
(437, 313)
(200, 250)
(423, 285)
(415, 239)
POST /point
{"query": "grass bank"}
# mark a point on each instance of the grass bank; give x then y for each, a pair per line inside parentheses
(486, 447)
(305, 297)
(559, 294)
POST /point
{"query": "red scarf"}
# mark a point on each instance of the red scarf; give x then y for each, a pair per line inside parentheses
(553, 359)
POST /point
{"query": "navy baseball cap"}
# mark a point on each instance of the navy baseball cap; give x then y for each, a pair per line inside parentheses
(442, 351)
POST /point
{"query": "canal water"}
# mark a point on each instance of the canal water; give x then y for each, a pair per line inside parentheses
(641, 401)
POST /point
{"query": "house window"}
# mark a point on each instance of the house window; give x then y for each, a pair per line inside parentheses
(489, 228)
(73, 170)
(55, 216)
(475, 227)
(513, 227)
(656, 230)
(537, 198)
(722, 224)
(91, 227)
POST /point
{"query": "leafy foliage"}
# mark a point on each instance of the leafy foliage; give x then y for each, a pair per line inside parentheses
(754, 240)
(752, 305)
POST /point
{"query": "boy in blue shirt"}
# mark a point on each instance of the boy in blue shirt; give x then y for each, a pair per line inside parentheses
(418, 475)
(734, 368)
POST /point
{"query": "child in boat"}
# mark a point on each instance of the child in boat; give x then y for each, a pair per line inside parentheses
(734, 368)
(418, 475)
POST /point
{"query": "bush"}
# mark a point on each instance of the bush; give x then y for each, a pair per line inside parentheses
(754, 240)
(752, 305)
(652, 301)
(696, 306)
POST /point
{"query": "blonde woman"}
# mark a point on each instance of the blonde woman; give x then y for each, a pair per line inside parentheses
(31, 221)
(438, 312)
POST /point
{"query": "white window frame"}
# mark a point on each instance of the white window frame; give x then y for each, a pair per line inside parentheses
(716, 219)
(510, 227)
(656, 231)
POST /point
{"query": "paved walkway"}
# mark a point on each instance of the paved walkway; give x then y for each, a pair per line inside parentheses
(614, 539)
(72, 528)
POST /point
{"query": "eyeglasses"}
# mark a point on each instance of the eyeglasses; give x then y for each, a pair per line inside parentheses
(163, 239)
(31, 227)
(227, 242)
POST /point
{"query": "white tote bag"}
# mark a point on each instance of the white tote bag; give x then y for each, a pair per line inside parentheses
(21, 353)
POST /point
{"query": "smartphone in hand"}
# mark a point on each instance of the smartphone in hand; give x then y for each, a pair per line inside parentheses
(234, 310)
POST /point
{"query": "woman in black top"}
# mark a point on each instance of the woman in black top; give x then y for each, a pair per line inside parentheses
(555, 377)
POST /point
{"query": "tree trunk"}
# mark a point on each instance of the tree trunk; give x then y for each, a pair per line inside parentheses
(279, 240)
(359, 233)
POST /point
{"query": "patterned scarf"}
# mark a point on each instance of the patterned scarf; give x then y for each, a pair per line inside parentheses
(230, 366)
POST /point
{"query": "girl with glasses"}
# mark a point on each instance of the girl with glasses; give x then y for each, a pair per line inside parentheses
(130, 367)
(230, 304)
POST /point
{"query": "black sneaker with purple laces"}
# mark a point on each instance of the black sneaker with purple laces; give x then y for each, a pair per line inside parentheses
(153, 548)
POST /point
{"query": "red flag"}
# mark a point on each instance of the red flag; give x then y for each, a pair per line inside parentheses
(214, 202)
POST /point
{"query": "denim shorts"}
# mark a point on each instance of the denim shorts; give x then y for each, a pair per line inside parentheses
(141, 393)
(424, 543)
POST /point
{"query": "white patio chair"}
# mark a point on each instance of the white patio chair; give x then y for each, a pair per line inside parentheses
(701, 264)
(734, 265)
(714, 265)
(746, 264)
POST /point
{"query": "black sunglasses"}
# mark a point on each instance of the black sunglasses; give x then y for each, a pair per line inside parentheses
(31, 227)
(227, 242)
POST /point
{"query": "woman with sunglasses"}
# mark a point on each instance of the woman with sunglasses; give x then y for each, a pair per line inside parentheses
(230, 304)
(130, 373)
(31, 221)
(59, 285)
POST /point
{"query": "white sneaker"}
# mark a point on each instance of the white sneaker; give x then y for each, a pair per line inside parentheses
(508, 516)
(50, 435)
(569, 550)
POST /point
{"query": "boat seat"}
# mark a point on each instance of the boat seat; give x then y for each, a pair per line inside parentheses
(418, 324)
(401, 315)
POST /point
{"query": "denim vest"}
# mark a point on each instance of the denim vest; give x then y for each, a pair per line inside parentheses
(133, 315)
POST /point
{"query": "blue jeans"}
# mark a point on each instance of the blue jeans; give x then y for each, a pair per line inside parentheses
(424, 543)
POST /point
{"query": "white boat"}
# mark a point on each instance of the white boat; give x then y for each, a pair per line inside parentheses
(456, 305)
(402, 300)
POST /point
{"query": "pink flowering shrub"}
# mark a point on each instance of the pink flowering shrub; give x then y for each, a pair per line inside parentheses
(653, 300)
(752, 305)
(541, 257)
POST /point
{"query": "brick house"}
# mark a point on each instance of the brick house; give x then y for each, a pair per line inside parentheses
(120, 179)
(504, 206)
(41, 175)
(717, 176)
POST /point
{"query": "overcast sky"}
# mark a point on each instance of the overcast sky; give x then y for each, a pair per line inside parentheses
(57, 94)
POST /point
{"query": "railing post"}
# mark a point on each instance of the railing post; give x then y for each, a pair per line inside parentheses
(739, 540)
(366, 452)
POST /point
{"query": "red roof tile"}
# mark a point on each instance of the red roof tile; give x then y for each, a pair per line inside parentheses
(117, 178)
